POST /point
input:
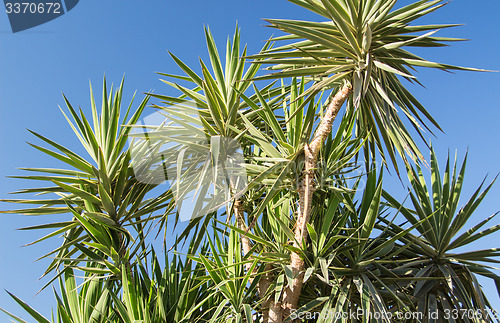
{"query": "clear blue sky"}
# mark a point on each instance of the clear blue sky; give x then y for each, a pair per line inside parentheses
(132, 38)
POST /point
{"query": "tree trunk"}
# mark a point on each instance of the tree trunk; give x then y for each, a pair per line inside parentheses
(306, 189)
(240, 220)
(275, 312)
(264, 284)
(266, 279)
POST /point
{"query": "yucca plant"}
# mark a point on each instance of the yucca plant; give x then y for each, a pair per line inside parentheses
(349, 259)
(289, 220)
(172, 290)
(359, 54)
(360, 51)
(218, 114)
(89, 302)
(274, 170)
(210, 116)
(230, 277)
(445, 278)
(101, 196)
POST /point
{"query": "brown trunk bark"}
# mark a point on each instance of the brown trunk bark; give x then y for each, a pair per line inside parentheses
(264, 284)
(275, 312)
(306, 189)
(266, 279)
(240, 220)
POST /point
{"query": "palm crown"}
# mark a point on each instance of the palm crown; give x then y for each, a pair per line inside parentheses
(362, 46)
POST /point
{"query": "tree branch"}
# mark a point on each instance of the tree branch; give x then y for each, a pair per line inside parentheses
(306, 190)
